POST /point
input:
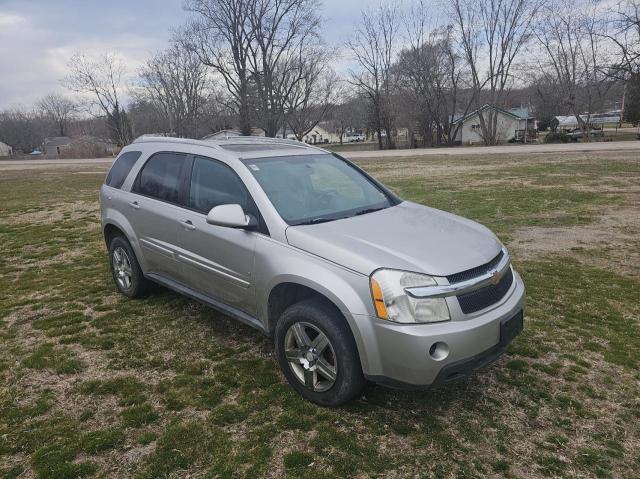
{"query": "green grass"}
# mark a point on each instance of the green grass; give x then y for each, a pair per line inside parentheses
(94, 384)
(139, 415)
(50, 357)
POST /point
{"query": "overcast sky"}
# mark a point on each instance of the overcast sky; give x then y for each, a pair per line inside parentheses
(37, 37)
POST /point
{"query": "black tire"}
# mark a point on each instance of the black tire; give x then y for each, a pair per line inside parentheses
(138, 285)
(318, 315)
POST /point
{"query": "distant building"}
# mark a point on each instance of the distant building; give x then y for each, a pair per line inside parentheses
(516, 124)
(5, 150)
(92, 147)
(79, 147)
(321, 134)
(570, 122)
(55, 147)
(222, 134)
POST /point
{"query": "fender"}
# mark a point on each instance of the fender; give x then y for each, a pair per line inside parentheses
(347, 300)
(113, 217)
(284, 264)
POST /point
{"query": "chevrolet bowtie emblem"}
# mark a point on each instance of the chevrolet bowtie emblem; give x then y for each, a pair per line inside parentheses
(495, 278)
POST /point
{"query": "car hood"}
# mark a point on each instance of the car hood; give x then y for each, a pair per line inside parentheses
(407, 236)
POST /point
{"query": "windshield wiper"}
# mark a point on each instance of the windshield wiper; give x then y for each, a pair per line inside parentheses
(315, 221)
(368, 210)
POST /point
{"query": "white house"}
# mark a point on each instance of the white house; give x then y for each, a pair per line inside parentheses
(516, 123)
(5, 150)
(224, 134)
(317, 136)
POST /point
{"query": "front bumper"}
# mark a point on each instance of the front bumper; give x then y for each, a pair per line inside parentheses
(398, 355)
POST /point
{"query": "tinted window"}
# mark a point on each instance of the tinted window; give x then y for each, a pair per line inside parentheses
(213, 184)
(160, 177)
(121, 168)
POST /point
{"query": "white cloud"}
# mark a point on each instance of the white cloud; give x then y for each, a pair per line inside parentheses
(38, 37)
(10, 20)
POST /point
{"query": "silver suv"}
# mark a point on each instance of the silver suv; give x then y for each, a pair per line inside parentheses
(352, 282)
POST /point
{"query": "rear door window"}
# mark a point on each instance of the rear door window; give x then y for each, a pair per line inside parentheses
(121, 168)
(160, 177)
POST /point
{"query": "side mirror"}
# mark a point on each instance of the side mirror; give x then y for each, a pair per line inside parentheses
(230, 216)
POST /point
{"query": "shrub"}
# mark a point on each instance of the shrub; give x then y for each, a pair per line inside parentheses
(556, 137)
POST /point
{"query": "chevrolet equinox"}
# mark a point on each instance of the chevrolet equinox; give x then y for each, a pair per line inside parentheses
(352, 282)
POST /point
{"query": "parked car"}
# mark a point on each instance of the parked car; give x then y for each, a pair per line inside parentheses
(577, 133)
(352, 282)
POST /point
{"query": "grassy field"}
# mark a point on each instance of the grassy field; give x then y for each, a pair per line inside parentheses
(94, 384)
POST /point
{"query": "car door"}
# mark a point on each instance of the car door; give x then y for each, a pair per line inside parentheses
(154, 210)
(217, 260)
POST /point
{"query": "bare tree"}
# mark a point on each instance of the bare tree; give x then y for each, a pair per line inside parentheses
(547, 101)
(256, 46)
(348, 116)
(432, 76)
(373, 47)
(101, 80)
(573, 58)
(23, 130)
(311, 98)
(221, 34)
(631, 104)
(492, 34)
(146, 118)
(625, 35)
(216, 114)
(284, 32)
(59, 109)
(175, 82)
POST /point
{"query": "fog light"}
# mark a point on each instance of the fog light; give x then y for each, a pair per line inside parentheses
(439, 351)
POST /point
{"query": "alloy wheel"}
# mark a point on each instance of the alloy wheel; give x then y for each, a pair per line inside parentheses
(122, 268)
(311, 356)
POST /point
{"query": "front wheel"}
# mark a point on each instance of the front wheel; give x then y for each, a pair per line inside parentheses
(317, 353)
(125, 269)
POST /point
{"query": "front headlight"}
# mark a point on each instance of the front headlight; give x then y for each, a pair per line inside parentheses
(392, 303)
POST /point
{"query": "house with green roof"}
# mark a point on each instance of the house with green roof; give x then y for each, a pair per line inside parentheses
(515, 124)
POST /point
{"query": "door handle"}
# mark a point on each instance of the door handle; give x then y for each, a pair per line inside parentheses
(188, 225)
(134, 205)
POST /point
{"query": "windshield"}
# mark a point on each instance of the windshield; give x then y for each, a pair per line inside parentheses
(309, 189)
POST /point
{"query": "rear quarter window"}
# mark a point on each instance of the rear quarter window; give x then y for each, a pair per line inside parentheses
(160, 177)
(121, 168)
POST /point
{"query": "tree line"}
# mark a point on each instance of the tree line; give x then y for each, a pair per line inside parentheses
(418, 65)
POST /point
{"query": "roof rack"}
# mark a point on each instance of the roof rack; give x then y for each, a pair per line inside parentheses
(172, 139)
(258, 139)
(219, 142)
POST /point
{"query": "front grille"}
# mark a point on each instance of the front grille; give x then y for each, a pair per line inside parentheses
(475, 272)
(485, 297)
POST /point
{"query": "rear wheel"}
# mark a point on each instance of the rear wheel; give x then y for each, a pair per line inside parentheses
(125, 269)
(317, 353)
